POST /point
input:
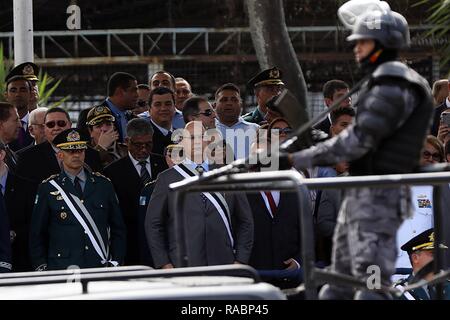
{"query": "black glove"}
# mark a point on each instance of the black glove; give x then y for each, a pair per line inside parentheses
(318, 136)
(284, 161)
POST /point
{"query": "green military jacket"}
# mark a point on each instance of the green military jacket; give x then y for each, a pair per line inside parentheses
(57, 239)
(255, 116)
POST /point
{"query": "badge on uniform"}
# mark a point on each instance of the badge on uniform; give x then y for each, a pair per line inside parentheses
(63, 215)
(424, 203)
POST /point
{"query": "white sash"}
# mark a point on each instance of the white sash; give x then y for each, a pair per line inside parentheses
(407, 295)
(208, 195)
(101, 250)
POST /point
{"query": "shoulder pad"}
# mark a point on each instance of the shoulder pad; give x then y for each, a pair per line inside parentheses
(98, 174)
(53, 176)
(399, 70)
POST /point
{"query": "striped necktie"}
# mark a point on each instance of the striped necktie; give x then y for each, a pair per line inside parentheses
(145, 176)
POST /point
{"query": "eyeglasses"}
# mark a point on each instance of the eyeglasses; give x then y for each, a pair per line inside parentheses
(435, 156)
(59, 123)
(207, 113)
(283, 130)
(142, 103)
(140, 145)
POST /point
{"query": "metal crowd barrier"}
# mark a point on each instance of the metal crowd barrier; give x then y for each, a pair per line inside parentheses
(290, 180)
(84, 276)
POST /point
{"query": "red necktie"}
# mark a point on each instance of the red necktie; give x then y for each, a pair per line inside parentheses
(272, 204)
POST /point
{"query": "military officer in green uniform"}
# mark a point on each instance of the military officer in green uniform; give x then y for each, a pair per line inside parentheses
(420, 251)
(76, 220)
(266, 84)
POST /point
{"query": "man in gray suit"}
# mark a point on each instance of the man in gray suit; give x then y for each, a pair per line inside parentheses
(219, 227)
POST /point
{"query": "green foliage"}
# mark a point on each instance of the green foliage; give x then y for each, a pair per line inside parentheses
(46, 84)
(439, 17)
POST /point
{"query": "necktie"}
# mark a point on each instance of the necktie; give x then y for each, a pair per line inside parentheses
(432, 292)
(200, 170)
(11, 154)
(21, 137)
(77, 184)
(273, 206)
(145, 176)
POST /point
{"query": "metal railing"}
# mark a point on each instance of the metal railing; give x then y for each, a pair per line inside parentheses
(133, 45)
(84, 276)
(292, 181)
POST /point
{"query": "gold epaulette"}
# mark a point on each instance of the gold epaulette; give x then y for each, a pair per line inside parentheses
(53, 176)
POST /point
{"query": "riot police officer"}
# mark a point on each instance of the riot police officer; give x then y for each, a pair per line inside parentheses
(393, 117)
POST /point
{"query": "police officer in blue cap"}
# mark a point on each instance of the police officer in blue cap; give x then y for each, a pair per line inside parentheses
(266, 84)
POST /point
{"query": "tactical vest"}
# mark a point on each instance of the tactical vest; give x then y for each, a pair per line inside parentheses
(400, 152)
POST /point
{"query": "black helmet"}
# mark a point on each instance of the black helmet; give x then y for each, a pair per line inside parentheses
(388, 27)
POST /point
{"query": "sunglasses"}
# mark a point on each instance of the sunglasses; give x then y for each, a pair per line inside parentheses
(59, 123)
(207, 113)
(283, 130)
(435, 156)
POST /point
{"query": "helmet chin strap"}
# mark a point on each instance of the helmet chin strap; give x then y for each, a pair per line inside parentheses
(374, 56)
(370, 62)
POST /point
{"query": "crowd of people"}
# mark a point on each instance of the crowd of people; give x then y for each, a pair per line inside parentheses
(98, 194)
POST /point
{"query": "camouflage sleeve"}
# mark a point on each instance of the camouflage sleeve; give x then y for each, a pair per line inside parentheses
(384, 110)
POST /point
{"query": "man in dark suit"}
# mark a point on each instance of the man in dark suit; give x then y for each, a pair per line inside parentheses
(40, 161)
(9, 130)
(437, 114)
(5, 243)
(219, 227)
(130, 174)
(76, 219)
(277, 241)
(18, 196)
(122, 98)
(162, 110)
(333, 90)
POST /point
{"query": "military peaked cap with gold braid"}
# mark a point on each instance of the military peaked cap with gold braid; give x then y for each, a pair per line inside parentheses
(71, 139)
